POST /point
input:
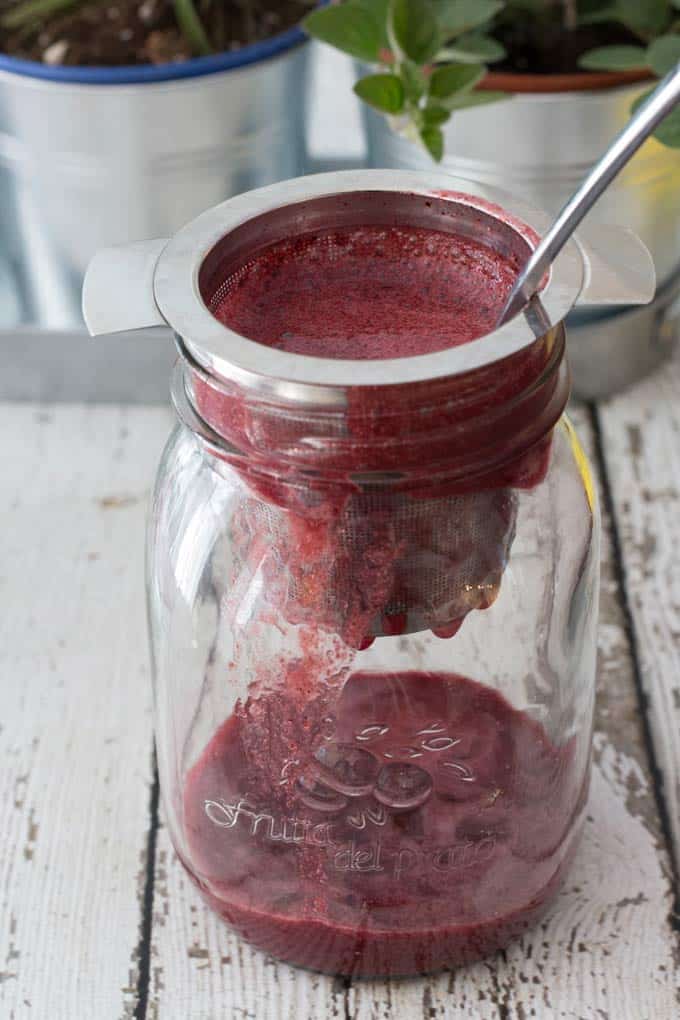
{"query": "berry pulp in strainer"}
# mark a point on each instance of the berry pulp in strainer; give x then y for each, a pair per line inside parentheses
(369, 292)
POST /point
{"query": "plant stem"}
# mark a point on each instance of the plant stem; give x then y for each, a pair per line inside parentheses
(192, 27)
(570, 8)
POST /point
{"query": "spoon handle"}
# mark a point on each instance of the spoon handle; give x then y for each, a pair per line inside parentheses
(659, 104)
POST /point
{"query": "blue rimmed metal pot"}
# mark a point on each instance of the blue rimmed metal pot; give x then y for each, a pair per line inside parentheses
(91, 157)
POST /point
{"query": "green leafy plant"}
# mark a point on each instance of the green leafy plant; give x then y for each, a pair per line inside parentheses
(429, 56)
(656, 23)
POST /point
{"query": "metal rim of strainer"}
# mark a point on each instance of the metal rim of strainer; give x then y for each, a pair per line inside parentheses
(298, 379)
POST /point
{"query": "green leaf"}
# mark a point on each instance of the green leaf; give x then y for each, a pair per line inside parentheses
(664, 54)
(473, 48)
(378, 9)
(450, 79)
(528, 6)
(385, 92)
(466, 99)
(433, 115)
(646, 17)
(598, 17)
(433, 139)
(594, 12)
(614, 58)
(668, 132)
(414, 29)
(192, 27)
(456, 17)
(350, 27)
(22, 14)
(413, 80)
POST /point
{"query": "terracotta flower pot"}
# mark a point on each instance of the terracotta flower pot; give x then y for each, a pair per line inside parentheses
(579, 81)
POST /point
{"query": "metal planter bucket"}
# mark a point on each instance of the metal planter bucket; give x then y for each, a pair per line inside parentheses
(539, 146)
(96, 156)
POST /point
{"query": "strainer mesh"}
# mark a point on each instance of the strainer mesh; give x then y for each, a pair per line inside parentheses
(386, 563)
(366, 292)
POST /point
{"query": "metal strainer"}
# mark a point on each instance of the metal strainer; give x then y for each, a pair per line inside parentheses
(366, 560)
(392, 549)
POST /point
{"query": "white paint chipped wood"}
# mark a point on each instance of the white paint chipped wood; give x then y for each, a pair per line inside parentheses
(74, 792)
(603, 952)
(641, 434)
(75, 750)
(201, 970)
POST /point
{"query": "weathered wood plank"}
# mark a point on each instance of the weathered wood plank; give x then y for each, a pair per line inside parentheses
(200, 969)
(606, 951)
(75, 743)
(641, 436)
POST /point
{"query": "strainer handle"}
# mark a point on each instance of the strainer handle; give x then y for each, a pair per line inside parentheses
(618, 267)
(118, 288)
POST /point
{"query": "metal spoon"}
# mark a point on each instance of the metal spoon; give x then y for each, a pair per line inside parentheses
(664, 98)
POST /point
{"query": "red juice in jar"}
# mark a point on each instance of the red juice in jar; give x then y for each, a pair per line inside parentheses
(409, 834)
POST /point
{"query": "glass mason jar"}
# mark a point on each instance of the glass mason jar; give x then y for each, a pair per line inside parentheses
(373, 598)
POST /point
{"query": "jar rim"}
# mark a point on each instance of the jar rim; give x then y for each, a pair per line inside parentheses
(458, 436)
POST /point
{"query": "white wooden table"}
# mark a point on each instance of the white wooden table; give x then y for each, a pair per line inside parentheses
(96, 917)
(97, 921)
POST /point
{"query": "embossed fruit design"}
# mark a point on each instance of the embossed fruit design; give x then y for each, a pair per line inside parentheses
(397, 837)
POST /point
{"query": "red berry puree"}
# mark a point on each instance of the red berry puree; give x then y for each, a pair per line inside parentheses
(368, 292)
(398, 822)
